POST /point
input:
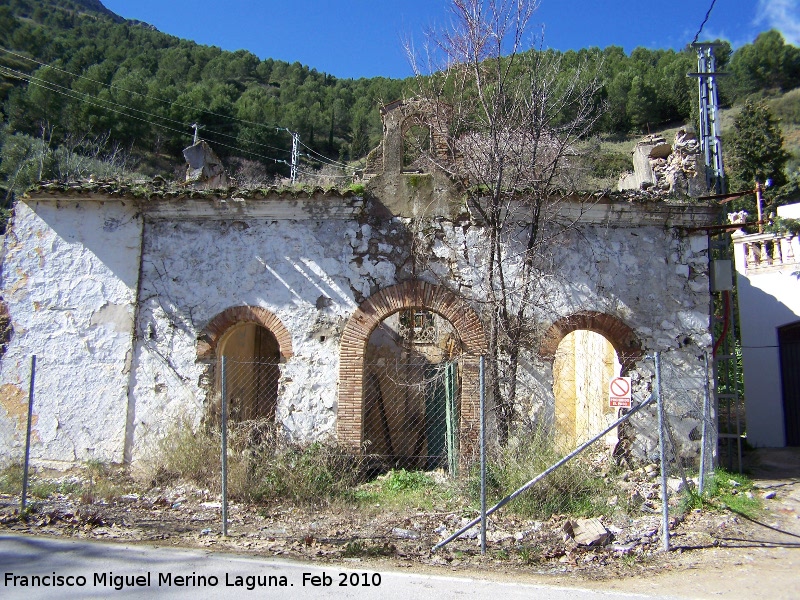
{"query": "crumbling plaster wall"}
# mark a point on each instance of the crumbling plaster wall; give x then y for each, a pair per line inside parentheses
(70, 273)
(311, 270)
(653, 278)
(313, 273)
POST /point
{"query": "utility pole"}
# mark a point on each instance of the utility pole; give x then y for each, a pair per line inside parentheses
(196, 128)
(295, 154)
(710, 127)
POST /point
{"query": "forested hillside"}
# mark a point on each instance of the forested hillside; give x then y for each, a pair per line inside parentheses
(77, 79)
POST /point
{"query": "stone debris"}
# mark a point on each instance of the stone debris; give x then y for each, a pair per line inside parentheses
(405, 534)
(587, 532)
(204, 166)
(668, 169)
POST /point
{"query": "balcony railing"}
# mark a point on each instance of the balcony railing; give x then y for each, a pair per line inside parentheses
(768, 251)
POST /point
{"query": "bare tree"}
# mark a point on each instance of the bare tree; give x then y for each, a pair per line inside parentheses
(512, 114)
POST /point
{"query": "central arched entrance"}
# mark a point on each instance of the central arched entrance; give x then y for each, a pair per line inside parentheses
(417, 306)
(412, 391)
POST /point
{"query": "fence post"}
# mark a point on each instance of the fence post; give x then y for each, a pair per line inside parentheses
(24, 498)
(483, 454)
(662, 456)
(224, 444)
(704, 436)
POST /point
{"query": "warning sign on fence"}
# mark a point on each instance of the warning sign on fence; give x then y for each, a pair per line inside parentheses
(619, 392)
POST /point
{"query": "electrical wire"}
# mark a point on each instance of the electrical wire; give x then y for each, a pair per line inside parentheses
(71, 94)
(703, 24)
(29, 77)
(108, 85)
(43, 83)
(322, 156)
(46, 85)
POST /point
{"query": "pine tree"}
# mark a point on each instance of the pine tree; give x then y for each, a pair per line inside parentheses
(756, 147)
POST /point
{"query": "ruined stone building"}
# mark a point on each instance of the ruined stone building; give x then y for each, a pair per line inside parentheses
(130, 295)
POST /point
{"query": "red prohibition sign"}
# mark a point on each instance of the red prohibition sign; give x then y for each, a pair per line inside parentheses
(620, 387)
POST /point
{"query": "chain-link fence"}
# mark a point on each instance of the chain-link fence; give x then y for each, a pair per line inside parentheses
(594, 456)
(412, 414)
(422, 414)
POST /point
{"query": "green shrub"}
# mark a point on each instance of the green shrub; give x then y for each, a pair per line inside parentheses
(611, 164)
(724, 490)
(11, 479)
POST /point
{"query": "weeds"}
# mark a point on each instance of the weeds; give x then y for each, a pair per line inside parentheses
(11, 479)
(316, 473)
(578, 488)
(189, 454)
(724, 490)
(401, 488)
(261, 465)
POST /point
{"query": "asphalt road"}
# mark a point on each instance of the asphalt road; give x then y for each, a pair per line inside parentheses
(88, 569)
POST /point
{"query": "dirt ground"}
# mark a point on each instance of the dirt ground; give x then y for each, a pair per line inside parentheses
(715, 553)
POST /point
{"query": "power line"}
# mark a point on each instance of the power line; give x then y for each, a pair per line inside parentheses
(46, 85)
(28, 77)
(703, 24)
(323, 157)
(70, 94)
(108, 85)
(295, 137)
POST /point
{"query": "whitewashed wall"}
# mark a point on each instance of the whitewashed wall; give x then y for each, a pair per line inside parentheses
(69, 278)
(768, 293)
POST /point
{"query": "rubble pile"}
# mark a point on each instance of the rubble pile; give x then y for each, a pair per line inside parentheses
(668, 169)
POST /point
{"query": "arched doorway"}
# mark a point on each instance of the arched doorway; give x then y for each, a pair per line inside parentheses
(412, 392)
(587, 349)
(583, 366)
(252, 372)
(254, 342)
(354, 378)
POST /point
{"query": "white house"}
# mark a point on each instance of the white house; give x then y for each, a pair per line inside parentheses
(768, 278)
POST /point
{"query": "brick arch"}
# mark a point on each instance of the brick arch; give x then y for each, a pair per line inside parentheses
(622, 337)
(209, 337)
(408, 295)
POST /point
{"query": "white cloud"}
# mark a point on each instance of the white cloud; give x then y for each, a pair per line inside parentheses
(783, 15)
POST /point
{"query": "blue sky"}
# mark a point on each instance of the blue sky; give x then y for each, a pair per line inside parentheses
(363, 38)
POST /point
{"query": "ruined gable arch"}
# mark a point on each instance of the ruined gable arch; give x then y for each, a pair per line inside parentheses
(400, 116)
(622, 337)
(209, 338)
(408, 295)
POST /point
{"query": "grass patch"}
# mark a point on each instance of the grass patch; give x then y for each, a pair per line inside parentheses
(725, 490)
(262, 467)
(400, 488)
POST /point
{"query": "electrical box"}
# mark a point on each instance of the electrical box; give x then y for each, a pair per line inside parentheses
(721, 275)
